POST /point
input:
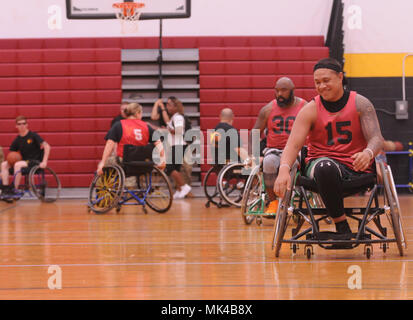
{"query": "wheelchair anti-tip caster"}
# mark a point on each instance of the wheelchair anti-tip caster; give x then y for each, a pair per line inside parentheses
(308, 251)
(368, 251)
(294, 248)
(259, 221)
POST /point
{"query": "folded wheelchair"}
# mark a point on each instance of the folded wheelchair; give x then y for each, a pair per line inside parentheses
(150, 185)
(382, 202)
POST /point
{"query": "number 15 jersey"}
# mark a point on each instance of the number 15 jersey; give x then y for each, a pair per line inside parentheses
(336, 135)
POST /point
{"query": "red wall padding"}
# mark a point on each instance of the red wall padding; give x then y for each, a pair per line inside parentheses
(70, 88)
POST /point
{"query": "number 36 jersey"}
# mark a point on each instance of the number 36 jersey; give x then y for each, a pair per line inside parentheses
(336, 135)
(280, 123)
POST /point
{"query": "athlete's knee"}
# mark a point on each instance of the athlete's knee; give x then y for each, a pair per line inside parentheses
(271, 164)
(326, 170)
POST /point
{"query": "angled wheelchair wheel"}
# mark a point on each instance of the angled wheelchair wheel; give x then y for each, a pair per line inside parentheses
(231, 183)
(44, 183)
(252, 200)
(210, 186)
(159, 190)
(106, 190)
(281, 220)
(392, 202)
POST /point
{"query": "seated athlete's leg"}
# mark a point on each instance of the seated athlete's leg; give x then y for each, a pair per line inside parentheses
(17, 170)
(328, 177)
(271, 163)
(5, 173)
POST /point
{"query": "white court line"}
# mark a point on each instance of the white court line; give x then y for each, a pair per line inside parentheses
(137, 231)
(195, 263)
(129, 243)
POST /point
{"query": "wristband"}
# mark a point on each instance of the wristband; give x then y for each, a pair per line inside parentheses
(371, 152)
(285, 165)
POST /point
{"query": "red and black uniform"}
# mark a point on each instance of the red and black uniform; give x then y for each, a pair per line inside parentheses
(337, 135)
(280, 123)
(130, 131)
(334, 138)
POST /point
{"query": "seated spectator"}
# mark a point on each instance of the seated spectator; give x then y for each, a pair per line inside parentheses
(34, 150)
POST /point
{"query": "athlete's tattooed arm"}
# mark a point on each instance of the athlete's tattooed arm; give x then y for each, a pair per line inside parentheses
(260, 123)
(369, 124)
(372, 133)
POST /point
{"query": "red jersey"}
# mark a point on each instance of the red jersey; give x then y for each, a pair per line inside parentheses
(134, 132)
(337, 135)
(280, 123)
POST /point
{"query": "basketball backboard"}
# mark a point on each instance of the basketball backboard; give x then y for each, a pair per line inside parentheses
(102, 9)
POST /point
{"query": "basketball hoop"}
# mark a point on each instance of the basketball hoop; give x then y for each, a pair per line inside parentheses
(128, 14)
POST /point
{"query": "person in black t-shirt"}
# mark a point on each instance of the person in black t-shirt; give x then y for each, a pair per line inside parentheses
(233, 150)
(33, 148)
(122, 114)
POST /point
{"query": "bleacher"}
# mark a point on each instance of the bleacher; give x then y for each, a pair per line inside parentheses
(71, 88)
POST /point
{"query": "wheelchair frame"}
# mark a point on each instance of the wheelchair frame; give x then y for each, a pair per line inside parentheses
(224, 190)
(30, 184)
(113, 192)
(328, 240)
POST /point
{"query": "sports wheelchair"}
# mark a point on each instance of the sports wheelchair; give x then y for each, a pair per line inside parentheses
(388, 206)
(224, 185)
(43, 182)
(151, 185)
(255, 199)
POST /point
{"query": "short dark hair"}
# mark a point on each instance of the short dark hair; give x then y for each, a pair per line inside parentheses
(20, 118)
(328, 63)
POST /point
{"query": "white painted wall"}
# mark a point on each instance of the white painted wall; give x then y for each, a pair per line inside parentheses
(209, 17)
(371, 26)
(378, 26)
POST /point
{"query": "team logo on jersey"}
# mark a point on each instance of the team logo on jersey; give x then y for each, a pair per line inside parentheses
(29, 141)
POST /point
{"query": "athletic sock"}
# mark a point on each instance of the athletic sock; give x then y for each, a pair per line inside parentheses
(343, 227)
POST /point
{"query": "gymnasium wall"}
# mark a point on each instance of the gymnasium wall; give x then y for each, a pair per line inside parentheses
(47, 18)
(377, 36)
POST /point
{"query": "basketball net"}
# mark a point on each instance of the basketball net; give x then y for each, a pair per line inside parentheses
(128, 13)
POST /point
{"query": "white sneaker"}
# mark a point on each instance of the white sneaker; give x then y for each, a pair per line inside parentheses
(185, 190)
(177, 195)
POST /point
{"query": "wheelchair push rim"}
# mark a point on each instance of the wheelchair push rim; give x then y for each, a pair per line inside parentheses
(159, 190)
(211, 191)
(231, 183)
(106, 189)
(45, 184)
(252, 205)
(392, 203)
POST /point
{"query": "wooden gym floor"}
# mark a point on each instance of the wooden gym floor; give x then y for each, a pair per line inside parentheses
(188, 253)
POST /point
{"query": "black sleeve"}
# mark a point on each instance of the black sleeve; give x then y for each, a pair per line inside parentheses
(14, 145)
(39, 140)
(151, 132)
(115, 133)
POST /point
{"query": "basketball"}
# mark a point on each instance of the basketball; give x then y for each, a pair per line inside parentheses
(398, 146)
(13, 157)
(215, 137)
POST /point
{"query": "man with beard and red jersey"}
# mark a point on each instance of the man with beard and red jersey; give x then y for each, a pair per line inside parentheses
(343, 136)
(277, 117)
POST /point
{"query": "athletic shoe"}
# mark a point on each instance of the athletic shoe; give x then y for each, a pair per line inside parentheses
(272, 207)
(177, 194)
(185, 189)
